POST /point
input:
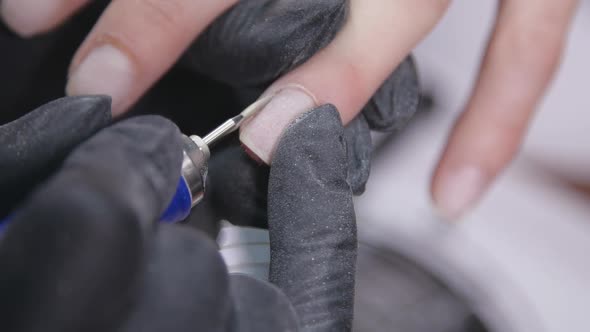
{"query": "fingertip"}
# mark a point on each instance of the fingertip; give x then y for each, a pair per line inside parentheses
(456, 191)
(90, 104)
(105, 70)
(28, 18)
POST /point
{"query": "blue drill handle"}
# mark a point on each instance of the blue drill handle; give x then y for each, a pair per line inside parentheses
(178, 209)
(181, 204)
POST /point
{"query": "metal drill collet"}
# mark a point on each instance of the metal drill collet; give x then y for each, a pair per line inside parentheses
(195, 166)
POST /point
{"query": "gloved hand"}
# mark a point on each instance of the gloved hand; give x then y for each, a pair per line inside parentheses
(83, 251)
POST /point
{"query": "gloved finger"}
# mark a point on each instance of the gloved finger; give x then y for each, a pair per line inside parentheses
(30, 17)
(185, 285)
(261, 306)
(348, 71)
(118, 60)
(256, 41)
(522, 57)
(35, 145)
(236, 191)
(312, 221)
(74, 250)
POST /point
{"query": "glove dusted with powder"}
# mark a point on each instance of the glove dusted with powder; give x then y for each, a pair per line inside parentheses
(250, 46)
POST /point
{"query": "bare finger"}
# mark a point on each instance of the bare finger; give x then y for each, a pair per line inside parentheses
(522, 56)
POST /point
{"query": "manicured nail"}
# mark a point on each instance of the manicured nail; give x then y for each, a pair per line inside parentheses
(459, 191)
(261, 134)
(29, 17)
(105, 70)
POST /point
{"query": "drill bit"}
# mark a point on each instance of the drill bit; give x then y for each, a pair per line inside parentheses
(234, 123)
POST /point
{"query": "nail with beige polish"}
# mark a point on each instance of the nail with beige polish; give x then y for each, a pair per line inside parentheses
(105, 70)
(261, 134)
(29, 17)
(459, 191)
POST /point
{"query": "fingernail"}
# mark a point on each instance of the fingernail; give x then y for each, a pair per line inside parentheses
(459, 191)
(105, 70)
(261, 134)
(29, 17)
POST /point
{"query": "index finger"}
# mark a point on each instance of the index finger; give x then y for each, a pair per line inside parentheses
(134, 43)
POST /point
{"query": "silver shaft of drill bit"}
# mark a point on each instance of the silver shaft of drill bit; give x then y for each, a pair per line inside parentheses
(234, 123)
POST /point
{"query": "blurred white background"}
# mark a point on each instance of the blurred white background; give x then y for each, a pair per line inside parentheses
(528, 243)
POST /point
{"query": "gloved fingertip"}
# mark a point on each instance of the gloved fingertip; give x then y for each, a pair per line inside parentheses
(252, 155)
(396, 101)
(74, 114)
(255, 298)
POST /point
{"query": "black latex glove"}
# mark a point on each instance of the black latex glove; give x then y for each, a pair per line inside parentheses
(83, 251)
(242, 198)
